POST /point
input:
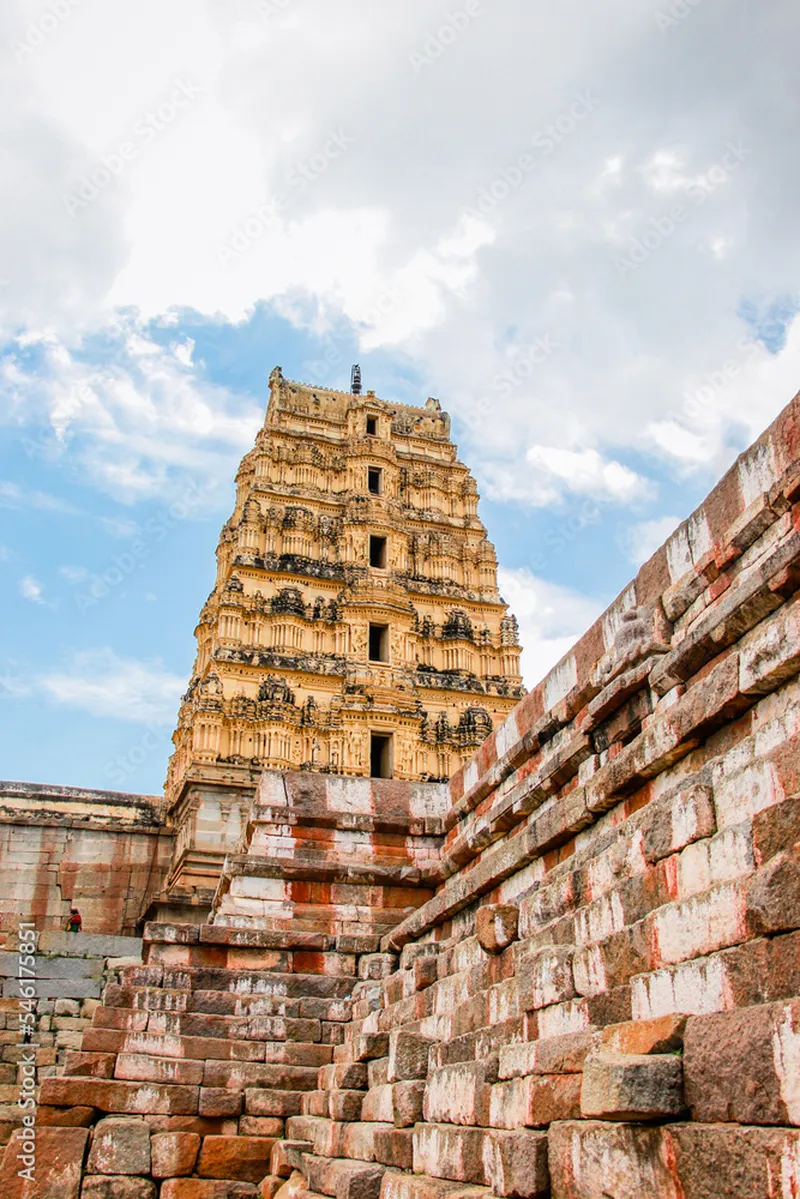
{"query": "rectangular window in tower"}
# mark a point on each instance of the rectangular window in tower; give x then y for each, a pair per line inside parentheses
(379, 643)
(372, 426)
(377, 552)
(380, 756)
(375, 480)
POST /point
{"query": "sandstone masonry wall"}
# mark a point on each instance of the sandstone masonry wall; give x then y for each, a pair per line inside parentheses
(601, 1000)
(103, 851)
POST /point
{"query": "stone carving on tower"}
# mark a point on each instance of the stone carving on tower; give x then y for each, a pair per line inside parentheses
(355, 626)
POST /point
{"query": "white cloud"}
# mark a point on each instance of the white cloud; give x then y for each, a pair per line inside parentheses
(137, 426)
(74, 574)
(103, 684)
(31, 589)
(377, 232)
(551, 619)
(644, 538)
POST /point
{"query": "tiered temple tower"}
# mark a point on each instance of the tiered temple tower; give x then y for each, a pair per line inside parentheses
(355, 627)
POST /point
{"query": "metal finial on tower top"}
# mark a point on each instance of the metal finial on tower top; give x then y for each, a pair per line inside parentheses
(355, 380)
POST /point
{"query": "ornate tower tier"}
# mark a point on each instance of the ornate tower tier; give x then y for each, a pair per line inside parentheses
(355, 627)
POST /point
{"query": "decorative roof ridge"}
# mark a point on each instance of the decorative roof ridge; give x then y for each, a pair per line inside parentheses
(313, 387)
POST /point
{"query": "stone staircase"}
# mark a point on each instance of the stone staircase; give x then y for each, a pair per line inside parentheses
(198, 1059)
(70, 973)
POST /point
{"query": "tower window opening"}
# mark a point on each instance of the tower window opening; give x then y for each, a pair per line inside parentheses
(377, 552)
(379, 643)
(372, 426)
(380, 756)
(375, 480)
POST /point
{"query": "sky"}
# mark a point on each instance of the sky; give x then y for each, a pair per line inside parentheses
(574, 224)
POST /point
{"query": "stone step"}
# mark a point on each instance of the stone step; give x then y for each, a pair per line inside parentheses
(225, 1003)
(238, 1028)
(233, 957)
(334, 1104)
(206, 1188)
(243, 1075)
(354, 1140)
(111, 1095)
(508, 1162)
(266, 1102)
(55, 988)
(89, 945)
(237, 1158)
(286, 1156)
(311, 865)
(420, 1186)
(106, 1040)
(243, 982)
(343, 1179)
(243, 938)
(53, 967)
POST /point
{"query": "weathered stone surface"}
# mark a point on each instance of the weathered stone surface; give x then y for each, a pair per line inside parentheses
(56, 1162)
(535, 1100)
(120, 1187)
(120, 1146)
(173, 1154)
(408, 1056)
(245, 1159)
(592, 1160)
(545, 977)
(773, 895)
(742, 1066)
(460, 1094)
(496, 926)
(619, 1086)
(200, 1188)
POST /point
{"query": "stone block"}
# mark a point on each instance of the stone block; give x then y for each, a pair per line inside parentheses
(545, 977)
(554, 1055)
(67, 1007)
(56, 1161)
(662, 1035)
(515, 1164)
(89, 945)
(771, 654)
(742, 1066)
(449, 1151)
(173, 1154)
(408, 1055)
(535, 1100)
(773, 895)
(219, 1101)
(91, 1065)
(620, 1086)
(394, 1147)
(496, 926)
(460, 1093)
(121, 1187)
(108, 1095)
(198, 1188)
(56, 988)
(677, 821)
(593, 1160)
(120, 1146)
(243, 1159)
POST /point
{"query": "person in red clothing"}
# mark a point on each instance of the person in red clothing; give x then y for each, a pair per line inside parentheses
(74, 923)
